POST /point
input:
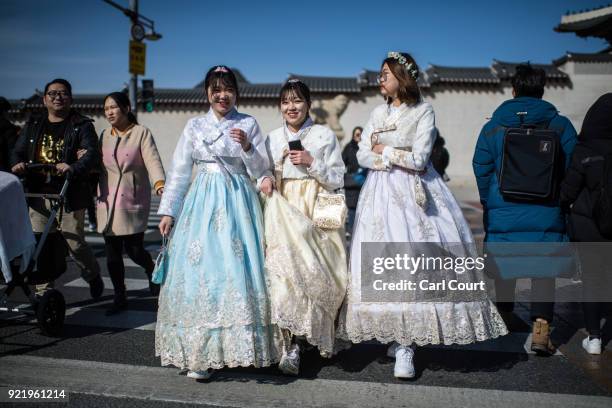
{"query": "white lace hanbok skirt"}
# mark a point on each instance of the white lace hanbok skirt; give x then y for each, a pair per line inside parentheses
(387, 212)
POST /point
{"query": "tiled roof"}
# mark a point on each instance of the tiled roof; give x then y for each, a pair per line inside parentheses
(168, 96)
(505, 70)
(435, 74)
(329, 84)
(257, 91)
(464, 75)
(79, 101)
(591, 23)
(581, 57)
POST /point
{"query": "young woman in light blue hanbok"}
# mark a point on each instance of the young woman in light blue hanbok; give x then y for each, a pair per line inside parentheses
(213, 305)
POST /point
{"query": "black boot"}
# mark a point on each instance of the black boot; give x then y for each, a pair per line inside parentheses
(119, 305)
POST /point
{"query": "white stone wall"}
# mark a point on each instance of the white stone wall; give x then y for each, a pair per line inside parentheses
(358, 111)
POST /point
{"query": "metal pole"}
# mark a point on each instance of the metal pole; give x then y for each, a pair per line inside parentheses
(134, 78)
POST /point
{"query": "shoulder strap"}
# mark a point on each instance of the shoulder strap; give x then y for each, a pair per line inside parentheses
(218, 160)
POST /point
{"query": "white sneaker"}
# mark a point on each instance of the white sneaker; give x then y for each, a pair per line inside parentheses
(290, 361)
(404, 366)
(392, 349)
(592, 346)
(200, 374)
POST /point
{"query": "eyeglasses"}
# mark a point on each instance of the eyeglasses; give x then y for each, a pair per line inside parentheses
(382, 77)
(55, 94)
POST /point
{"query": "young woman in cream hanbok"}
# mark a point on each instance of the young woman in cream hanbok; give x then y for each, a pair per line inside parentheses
(213, 305)
(305, 265)
(404, 200)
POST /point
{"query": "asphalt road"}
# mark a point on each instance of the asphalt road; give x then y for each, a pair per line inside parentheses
(110, 361)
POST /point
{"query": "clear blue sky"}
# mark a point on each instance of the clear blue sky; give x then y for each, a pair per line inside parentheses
(86, 41)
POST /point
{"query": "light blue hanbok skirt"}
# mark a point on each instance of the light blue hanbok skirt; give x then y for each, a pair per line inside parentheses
(213, 305)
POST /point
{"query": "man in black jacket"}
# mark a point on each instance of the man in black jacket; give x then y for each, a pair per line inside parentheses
(54, 139)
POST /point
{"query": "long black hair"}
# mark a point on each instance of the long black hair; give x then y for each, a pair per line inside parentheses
(122, 100)
(221, 75)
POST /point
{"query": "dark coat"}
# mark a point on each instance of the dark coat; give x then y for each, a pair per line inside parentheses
(518, 222)
(509, 222)
(582, 183)
(8, 137)
(354, 176)
(80, 134)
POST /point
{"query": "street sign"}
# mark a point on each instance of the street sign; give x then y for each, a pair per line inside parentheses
(137, 57)
(138, 32)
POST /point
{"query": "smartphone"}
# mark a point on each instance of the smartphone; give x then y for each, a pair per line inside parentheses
(295, 145)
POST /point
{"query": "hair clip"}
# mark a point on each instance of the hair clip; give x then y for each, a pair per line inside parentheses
(221, 68)
(293, 81)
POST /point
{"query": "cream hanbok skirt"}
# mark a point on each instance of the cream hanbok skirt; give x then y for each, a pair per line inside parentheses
(306, 268)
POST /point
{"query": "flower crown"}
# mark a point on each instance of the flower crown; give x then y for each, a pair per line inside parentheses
(412, 70)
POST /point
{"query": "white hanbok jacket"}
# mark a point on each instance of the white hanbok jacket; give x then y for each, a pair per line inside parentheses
(213, 132)
(409, 145)
(322, 144)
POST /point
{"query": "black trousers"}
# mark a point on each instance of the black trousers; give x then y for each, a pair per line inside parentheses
(540, 289)
(596, 263)
(134, 247)
(91, 213)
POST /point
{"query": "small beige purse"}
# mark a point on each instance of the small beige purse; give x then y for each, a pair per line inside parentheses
(330, 209)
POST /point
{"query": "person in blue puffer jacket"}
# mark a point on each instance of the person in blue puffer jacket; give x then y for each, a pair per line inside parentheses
(522, 222)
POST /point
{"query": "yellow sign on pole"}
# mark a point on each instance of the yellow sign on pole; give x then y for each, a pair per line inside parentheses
(138, 52)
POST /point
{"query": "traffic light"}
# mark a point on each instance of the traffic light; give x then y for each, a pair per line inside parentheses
(148, 95)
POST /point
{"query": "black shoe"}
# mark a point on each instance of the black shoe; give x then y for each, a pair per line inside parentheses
(96, 287)
(153, 288)
(119, 305)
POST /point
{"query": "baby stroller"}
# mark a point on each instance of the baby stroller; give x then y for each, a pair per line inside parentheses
(46, 264)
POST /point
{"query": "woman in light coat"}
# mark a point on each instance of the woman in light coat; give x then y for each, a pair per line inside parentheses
(131, 166)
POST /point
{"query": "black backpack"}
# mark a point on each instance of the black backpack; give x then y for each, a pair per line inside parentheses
(602, 207)
(531, 164)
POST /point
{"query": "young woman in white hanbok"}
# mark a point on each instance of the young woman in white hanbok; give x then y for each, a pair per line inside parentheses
(213, 305)
(305, 265)
(405, 200)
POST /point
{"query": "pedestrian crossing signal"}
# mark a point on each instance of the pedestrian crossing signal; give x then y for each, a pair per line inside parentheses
(148, 95)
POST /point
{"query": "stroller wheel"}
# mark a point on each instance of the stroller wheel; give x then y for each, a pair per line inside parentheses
(50, 312)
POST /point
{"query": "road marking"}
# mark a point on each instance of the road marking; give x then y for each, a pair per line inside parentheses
(130, 283)
(232, 389)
